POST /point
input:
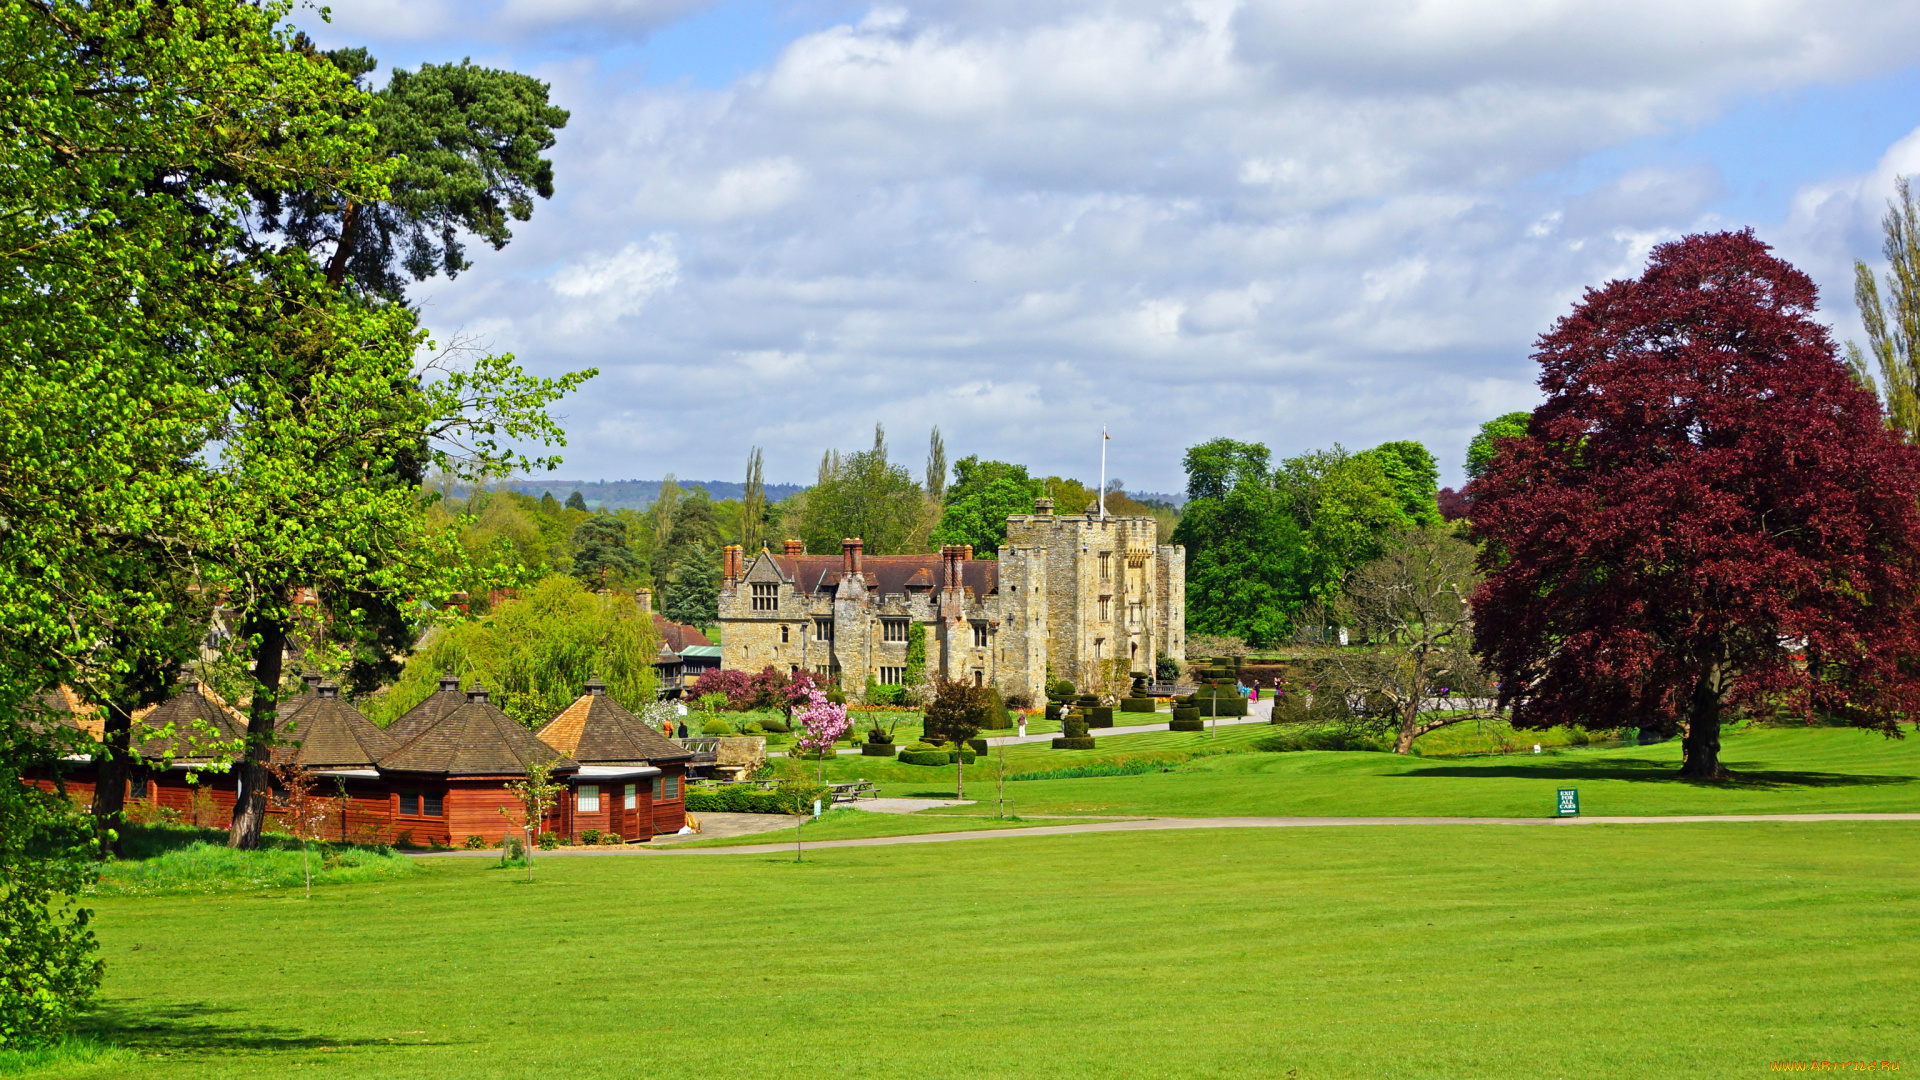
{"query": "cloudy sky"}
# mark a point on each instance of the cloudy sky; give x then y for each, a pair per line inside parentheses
(1303, 223)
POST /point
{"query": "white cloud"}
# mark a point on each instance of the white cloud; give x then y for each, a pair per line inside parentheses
(1301, 222)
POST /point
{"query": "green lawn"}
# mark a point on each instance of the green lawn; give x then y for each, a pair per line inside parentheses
(847, 824)
(1791, 770)
(1699, 950)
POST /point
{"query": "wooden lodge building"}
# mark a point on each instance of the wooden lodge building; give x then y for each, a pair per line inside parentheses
(436, 776)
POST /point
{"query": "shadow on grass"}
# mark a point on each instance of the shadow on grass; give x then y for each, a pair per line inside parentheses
(193, 1027)
(1642, 770)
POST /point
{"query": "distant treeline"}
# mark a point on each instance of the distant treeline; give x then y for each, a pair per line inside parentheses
(639, 494)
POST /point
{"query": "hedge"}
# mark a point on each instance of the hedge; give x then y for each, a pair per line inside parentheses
(1053, 710)
(1195, 724)
(877, 749)
(925, 757)
(747, 799)
(1073, 744)
(979, 745)
(1100, 716)
(1136, 704)
(1186, 714)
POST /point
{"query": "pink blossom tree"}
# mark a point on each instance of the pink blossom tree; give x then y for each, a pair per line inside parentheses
(825, 724)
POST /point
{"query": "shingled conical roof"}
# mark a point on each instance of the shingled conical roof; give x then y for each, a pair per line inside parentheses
(476, 739)
(424, 715)
(329, 733)
(597, 730)
(309, 687)
(216, 720)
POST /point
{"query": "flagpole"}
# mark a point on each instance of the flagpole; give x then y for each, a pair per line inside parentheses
(1104, 439)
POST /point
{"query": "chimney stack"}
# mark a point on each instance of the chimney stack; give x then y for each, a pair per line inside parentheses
(736, 563)
(644, 597)
(966, 554)
(796, 547)
(850, 551)
(1043, 506)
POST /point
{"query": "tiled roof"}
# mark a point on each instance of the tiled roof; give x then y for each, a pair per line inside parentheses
(476, 739)
(309, 682)
(65, 708)
(597, 730)
(196, 702)
(886, 573)
(422, 716)
(329, 733)
(678, 636)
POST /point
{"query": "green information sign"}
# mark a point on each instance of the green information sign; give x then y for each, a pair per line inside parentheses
(1569, 802)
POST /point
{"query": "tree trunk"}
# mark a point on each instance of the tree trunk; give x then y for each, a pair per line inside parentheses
(959, 773)
(337, 266)
(1409, 721)
(110, 785)
(250, 809)
(1702, 743)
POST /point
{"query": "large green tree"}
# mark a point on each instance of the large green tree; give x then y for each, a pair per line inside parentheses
(982, 496)
(602, 554)
(1893, 323)
(1486, 443)
(862, 495)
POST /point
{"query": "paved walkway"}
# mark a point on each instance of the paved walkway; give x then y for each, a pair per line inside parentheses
(900, 806)
(1161, 824)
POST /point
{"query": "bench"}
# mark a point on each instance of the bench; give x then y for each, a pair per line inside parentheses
(854, 790)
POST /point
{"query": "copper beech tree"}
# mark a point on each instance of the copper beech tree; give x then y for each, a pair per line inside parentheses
(1707, 513)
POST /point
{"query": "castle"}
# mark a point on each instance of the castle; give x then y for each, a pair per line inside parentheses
(1078, 597)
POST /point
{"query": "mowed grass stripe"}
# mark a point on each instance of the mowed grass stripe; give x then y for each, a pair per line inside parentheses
(1421, 951)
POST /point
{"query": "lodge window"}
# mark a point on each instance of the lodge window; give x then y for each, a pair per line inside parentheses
(823, 629)
(666, 787)
(632, 796)
(893, 629)
(673, 787)
(138, 788)
(589, 798)
(766, 597)
(979, 635)
(892, 676)
(421, 804)
(1106, 566)
(783, 633)
(659, 786)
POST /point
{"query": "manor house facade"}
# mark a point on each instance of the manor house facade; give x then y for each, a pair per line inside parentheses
(1069, 594)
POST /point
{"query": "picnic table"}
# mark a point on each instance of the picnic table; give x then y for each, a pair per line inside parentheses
(853, 790)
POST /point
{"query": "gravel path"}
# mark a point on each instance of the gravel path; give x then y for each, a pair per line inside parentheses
(1161, 824)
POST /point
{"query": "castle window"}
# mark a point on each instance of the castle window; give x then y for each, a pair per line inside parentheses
(979, 677)
(783, 633)
(1106, 566)
(979, 635)
(823, 629)
(766, 597)
(892, 676)
(1104, 615)
(893, 630)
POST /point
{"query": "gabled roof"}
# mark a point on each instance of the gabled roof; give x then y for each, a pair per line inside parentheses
(597, 730)
(424, 715)
(814, 574)
(329, 733)
(476, 739)
(195, 702)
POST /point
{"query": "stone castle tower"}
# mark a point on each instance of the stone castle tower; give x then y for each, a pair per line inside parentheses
(1068, 595)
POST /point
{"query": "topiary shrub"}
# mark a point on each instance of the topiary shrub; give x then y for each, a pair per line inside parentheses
(1053, 710)
(1136, 704)
(1100, 716)
(877, 749)
(998, 718)
(1075, 736)
(1187, 718)
(926, 757)
(1061, 690)
(475, 842)
(776, 724)
(964, 756)
(716, 726)
(1087, 699)
(979, 745)
(1233, 706)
